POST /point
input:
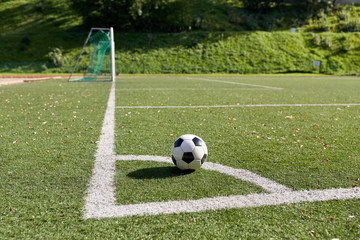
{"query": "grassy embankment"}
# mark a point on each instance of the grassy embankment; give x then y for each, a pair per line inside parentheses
(44, 36)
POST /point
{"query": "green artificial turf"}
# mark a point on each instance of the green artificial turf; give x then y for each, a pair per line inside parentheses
(310, 147)
(49, 131)
(154, 182)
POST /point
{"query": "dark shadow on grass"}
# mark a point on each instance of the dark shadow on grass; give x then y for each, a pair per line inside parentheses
(158, 172)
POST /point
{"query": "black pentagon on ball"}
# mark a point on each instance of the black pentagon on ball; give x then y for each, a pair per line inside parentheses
(203, 158)
(178, 142)
(173, 159)
(197, 141)
(188, 157)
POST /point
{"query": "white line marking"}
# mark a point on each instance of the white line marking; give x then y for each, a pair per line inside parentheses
(240, 174)
(236, 83)
(100, 194)
(248, 176)
(216, 203)
(189, 89)
(143, 158)
(252, 105)
(100, 198)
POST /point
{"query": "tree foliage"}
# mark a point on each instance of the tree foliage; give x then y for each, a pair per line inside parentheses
(180, 15)
(124, 14)
(314, 6)
(256, 5)
(152, 15)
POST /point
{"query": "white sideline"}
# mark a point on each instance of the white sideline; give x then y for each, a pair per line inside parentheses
(100, 194)
(100, 198)
(251, 105)
(190, 89)
(235, 83)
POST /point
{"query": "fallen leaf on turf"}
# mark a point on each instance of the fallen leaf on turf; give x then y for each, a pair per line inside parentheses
(289, 117)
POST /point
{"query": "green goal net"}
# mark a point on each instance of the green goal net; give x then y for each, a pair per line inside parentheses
(96, 61)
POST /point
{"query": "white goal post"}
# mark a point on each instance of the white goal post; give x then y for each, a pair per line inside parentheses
(101, 44)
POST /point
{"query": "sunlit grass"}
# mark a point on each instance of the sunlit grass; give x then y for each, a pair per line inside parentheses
(49, 131)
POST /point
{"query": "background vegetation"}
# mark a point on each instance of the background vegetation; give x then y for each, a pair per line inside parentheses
(49, 130)
(183, 36)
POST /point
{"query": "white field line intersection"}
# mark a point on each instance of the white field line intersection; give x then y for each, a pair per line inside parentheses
(100, 198)
(251, 105)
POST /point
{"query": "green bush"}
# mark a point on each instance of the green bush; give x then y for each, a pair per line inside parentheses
(322, 23)
(316, 40)
(345, 43)
(326, 42)
(343, 14)
(352, 26)
(56, 57)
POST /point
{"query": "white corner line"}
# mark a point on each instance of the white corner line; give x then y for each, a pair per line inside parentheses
(224, 202)
(100, 199)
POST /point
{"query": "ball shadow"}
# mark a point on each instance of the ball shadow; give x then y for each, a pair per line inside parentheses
(158, 172)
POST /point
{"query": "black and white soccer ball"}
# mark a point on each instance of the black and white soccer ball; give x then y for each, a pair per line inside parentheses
(189, 152)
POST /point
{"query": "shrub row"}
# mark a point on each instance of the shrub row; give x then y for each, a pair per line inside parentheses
(218, 52)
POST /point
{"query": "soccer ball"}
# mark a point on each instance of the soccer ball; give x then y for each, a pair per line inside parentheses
(189, 152)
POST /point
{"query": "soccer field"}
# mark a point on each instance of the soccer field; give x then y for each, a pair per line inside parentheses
(92, 160)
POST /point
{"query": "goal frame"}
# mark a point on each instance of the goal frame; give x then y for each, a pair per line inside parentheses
(112, 51)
